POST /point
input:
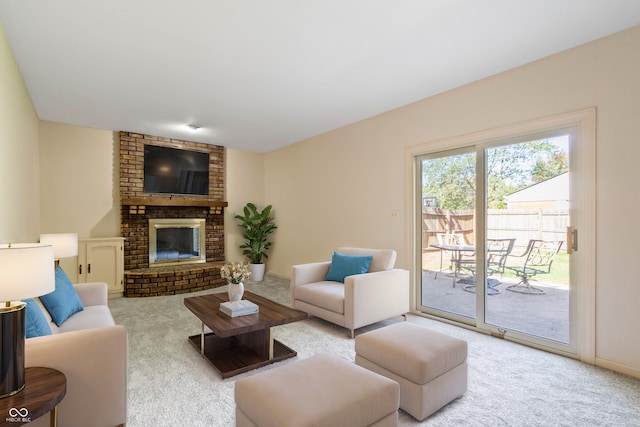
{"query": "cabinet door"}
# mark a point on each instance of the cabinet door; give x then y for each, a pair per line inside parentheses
(104, 263)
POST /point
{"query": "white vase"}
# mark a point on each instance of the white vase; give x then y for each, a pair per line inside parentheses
(235, 291)
(257, 272)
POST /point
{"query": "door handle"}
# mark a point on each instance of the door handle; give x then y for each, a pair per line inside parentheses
(572, 240)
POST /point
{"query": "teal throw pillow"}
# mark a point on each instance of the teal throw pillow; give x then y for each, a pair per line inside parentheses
(37, 325)
(64, 301)
(343, 265)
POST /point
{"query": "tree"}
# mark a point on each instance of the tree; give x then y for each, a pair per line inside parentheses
(451, 180)
(556, 164)
(509, 168)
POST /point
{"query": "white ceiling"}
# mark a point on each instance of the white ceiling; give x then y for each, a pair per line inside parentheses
(262, 74)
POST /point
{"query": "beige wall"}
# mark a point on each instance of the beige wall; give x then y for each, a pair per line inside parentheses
(342, 187)
(245, 183)
(19, 174)
(78, 179)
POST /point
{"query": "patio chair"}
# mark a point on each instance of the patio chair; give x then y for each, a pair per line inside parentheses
(538, 258)
(497, 252)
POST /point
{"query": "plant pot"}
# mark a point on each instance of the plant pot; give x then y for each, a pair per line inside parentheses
(235, 291)
(257, 272)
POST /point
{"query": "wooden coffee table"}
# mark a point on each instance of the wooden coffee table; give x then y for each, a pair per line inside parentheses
(240, 344)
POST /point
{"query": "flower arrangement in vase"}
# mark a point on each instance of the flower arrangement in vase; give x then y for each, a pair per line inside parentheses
(235, 273)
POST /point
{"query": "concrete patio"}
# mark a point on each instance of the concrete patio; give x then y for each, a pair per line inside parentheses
(544, 315)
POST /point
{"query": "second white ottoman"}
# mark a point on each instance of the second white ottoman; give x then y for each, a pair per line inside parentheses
(430, 367)
(321, 391)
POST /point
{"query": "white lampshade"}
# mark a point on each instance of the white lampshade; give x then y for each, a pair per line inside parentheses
(65, 245)
(25, 271)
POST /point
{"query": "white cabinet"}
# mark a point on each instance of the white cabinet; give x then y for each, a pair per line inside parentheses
(99, 260)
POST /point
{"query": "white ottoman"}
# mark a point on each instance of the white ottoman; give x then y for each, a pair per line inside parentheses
(323, 390)
(430, 367)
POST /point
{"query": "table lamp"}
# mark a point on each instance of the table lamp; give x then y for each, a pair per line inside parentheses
(25, 272)
(65, 245)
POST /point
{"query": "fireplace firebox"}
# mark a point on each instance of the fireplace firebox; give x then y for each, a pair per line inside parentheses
(175, 241)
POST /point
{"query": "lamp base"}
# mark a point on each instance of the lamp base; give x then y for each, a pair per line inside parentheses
(12, 334)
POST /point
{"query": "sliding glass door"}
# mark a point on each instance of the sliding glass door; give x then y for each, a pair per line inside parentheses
(493, 224)
(526, 219)
(448, 222)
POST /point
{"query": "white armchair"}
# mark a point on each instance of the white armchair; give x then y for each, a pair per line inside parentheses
(380, 293)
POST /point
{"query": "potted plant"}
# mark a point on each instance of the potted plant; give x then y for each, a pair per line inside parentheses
(257, 226)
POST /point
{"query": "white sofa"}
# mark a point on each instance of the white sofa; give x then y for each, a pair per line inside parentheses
(380, 293)
(92, 351)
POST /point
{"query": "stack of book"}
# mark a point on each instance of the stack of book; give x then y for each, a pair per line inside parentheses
(238, 308)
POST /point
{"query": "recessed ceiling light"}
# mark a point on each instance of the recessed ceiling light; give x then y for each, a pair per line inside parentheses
(193, 126)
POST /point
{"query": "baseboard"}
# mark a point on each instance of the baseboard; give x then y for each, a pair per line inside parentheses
(618, 367)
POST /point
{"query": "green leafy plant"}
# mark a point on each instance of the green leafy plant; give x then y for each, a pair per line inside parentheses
(257, 225)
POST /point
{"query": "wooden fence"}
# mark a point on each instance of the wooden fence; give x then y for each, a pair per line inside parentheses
(521, 224)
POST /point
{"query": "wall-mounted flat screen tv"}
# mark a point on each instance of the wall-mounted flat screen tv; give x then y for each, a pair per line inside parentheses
(175, 171)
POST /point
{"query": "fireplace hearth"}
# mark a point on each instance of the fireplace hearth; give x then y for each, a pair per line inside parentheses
(142, 279)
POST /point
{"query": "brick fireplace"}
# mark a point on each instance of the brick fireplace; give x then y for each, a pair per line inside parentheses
(138, 207)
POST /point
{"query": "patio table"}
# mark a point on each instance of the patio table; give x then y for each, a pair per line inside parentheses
(457, 251)
(469, 282)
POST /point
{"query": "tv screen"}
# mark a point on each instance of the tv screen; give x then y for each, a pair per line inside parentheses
(176, 171)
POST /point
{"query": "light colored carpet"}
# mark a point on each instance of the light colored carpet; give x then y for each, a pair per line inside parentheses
(509, 384)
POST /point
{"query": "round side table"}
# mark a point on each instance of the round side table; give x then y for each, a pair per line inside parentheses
(44, 389)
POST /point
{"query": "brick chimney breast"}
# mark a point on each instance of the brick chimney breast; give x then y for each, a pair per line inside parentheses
(137, 207)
